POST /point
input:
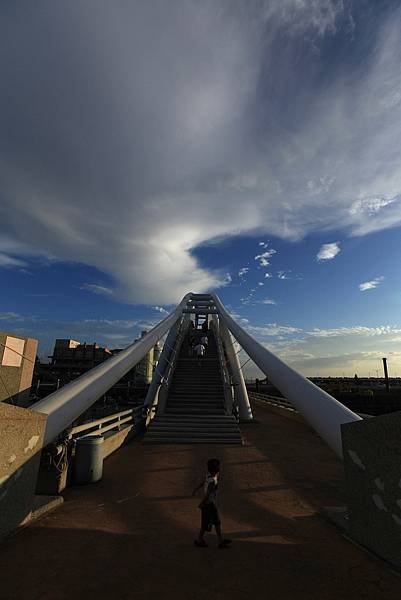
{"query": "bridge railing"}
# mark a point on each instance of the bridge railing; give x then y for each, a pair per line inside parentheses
(273, 400)
(105, 424)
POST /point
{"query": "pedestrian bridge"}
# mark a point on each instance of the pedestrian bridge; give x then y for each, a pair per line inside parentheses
(130, 534)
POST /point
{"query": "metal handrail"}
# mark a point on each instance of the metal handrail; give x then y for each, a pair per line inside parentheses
(275, 400)
(98, 424)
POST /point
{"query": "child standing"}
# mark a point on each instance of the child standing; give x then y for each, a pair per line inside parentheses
(209, 512)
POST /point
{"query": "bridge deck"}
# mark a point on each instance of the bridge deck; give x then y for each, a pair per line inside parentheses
(131, 535)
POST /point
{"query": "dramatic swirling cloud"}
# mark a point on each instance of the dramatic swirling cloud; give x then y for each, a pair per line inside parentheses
(133, 132)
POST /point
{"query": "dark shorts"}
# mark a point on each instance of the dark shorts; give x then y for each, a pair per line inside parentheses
(209, 517)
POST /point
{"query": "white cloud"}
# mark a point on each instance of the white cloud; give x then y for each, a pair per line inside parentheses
(283, 274)
(214, 132)
(273, 329)
(97, 289)
(260, 283)
(268, 275)
(160, 309)
(243, 271)
(268, 301)
(370, 285)
(328, 251)
(356, 330)
(10, 261)
(263, 258)
(11, 316)
(354, 349)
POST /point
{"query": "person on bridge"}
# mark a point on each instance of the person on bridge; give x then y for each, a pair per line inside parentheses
(199, 350)
(204, 340)
(209, 512)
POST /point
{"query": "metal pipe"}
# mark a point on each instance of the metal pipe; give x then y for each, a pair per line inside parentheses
(323, 412)
(68, 403)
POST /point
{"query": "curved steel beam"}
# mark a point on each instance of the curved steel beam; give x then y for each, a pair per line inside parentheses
(65, 405)
(323, 412)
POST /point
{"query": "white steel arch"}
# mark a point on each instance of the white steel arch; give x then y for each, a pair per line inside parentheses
(323, 412)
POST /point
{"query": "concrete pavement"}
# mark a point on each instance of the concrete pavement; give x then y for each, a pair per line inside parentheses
(131, 535)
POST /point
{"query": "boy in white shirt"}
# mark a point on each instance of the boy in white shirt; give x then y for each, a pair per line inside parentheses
(209, 512)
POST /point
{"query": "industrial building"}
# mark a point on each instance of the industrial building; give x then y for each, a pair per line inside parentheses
(72, 358)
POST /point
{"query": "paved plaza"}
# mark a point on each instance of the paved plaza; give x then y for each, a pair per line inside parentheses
(131, 535)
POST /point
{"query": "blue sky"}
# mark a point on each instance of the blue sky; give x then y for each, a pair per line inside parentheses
(153, 149)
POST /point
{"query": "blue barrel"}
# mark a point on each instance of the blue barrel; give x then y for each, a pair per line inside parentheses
(88, 459)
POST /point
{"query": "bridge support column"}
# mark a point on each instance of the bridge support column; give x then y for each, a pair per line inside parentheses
(240, 391)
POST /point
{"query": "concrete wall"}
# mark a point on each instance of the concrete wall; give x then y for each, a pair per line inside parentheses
(21, 437)
(15, 371)
(372, 463)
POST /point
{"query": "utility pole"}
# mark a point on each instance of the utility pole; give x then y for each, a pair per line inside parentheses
(386, 374)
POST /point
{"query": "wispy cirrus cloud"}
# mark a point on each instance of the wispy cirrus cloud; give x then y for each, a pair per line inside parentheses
(328, 251)
(97, 289)
(10, 261)
(371, 285)
(333, 351)
(269, 301)
(243, 271)
(356, 330)
(274, 329)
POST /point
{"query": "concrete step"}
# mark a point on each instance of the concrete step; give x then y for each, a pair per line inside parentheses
(194, 422)
(197, 389)
(198, 403)
(188, 397)
(207, 430)
(193, 436)
(198, 432)
(195, 411)
(173, 440)
(163, 416)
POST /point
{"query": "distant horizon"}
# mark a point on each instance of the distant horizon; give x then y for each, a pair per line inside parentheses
(251, 371)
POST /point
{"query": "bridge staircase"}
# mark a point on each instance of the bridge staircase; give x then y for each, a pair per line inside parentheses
(195, 411)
